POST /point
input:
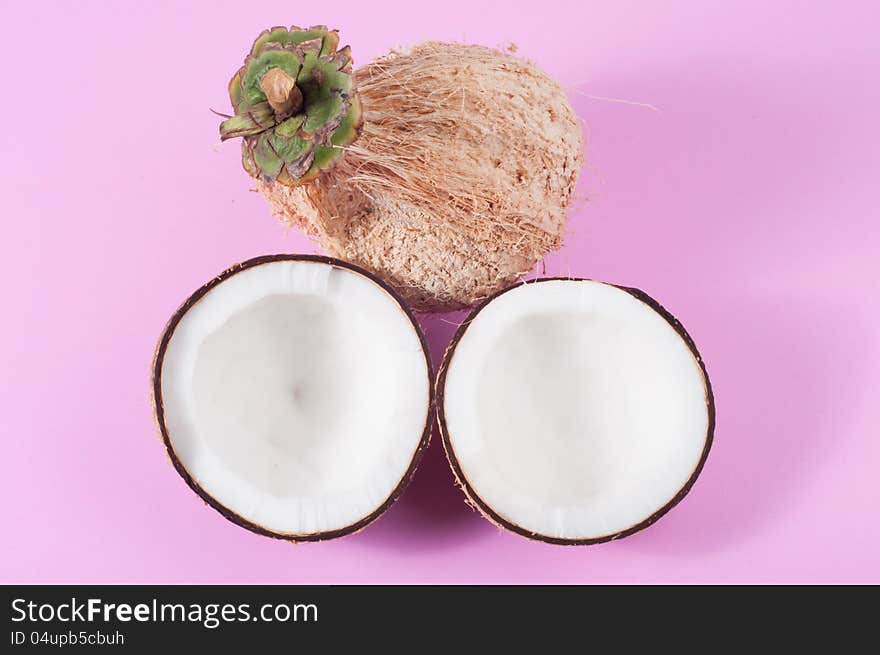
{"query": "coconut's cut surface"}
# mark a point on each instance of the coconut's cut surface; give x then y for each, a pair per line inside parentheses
(573, 411)
(449, 173)
(294, 395)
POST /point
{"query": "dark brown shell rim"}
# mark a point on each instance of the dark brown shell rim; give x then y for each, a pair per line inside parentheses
(159, 407)
(499, 520)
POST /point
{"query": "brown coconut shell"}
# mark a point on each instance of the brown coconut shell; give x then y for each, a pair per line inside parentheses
(473, 499)
(460, 178)
(159, 402)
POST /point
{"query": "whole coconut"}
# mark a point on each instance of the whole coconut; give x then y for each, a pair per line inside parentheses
(456, 182)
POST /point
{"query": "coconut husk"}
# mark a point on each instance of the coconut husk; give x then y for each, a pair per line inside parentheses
(459, 181)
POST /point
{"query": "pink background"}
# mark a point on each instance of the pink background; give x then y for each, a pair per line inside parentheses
(745, 198)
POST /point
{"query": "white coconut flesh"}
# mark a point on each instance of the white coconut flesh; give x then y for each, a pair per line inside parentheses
(573, 410)
(295, 394)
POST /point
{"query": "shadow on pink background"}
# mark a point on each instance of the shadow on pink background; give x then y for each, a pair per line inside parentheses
(744, 198)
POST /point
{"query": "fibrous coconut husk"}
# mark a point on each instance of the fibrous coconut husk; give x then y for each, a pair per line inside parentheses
(459, 181)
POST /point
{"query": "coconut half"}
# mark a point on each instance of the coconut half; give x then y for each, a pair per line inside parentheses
(574, 412)
(294, 395)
